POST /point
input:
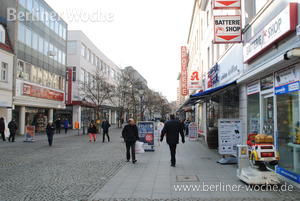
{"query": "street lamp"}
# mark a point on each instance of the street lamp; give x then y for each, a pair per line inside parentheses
(141, 93)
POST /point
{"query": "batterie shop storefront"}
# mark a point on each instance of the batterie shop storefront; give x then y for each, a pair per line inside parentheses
(273, 109)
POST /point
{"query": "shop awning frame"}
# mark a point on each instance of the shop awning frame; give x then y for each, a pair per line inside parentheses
(208, 92)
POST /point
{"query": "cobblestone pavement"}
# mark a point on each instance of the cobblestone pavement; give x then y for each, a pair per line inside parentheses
(70, 170)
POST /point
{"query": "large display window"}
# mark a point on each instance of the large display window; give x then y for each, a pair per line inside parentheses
(288, 127)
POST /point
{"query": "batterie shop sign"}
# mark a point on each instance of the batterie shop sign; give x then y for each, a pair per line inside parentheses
(227, 4)
(281, 25)
(227, 29)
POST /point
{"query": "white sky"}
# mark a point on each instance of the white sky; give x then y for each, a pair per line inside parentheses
(145, 34)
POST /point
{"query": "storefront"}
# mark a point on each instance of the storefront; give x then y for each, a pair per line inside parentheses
(271, 82)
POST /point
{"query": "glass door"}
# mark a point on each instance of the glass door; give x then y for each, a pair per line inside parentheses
(268, 115)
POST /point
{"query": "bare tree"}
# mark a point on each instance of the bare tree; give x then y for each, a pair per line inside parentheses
(98, 91)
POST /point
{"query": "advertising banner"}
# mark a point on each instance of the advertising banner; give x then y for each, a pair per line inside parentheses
(230, 135)
(193, 131)
(29, 133)
(228, 29)
(195, 82)
(146, 134)
(184, 73)
(40, 92)
(227, 4)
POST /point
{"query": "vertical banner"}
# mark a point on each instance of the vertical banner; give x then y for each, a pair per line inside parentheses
(146, 134)
(70, 82)
(184, 73)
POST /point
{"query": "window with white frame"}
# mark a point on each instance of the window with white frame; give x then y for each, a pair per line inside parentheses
(4, 72)
(2, 34)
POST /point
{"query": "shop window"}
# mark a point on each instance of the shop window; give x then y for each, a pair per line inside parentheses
(288, 126)
(267, 82)
(253, 116)
(3, 72)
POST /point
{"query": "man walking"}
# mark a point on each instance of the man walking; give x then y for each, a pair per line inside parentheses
(12, 126)
(172, 129)
(105, 126)
(66, 125)
(2, 128)
(50, 132)
(58, 125)
(131, 135)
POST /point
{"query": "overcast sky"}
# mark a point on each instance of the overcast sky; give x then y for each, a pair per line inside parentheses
(145, 34)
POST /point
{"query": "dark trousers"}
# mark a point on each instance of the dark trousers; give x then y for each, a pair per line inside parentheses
(3, 135)
(105, 133)
(130, 145)
(58, 130)
(66, 130)
(12, 136)
(50, 139)
(173, 153)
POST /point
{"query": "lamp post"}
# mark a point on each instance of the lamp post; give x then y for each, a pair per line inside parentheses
(141, 93)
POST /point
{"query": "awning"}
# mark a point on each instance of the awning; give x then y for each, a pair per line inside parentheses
(211, 91)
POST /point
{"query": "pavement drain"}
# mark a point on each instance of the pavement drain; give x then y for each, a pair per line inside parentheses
(187, 178)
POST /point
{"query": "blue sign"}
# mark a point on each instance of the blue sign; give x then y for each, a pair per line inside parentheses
(290, 175)
(291, 87)
(146, 134)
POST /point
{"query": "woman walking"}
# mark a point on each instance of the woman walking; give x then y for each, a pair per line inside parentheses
(2, 128)
(92, 130)
(50, 132)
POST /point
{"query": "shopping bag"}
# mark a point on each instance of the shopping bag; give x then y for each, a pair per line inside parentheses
(139, 147)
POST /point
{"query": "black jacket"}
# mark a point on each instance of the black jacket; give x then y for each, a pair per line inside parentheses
(105, 126)
(50, 130)
(130, 133)
(12, 126)
(172, 129)
(2, 127)
(92, 129)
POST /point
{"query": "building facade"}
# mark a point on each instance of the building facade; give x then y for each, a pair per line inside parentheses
(39, 42)
(83, 60)
(255, 81)
(6, 73)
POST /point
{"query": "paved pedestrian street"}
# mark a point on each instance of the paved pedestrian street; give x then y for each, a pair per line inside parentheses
(74, 169)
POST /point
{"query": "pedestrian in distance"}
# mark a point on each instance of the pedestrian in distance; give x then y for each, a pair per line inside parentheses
(66, 125)
(105, 127)
(12, 126)
(130, 135)
(92, 130)
(50, 132)
(2, 129)
(172, 129)
(58, 125)
(186, 127)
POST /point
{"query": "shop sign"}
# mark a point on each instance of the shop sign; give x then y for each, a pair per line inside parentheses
(291, 87)
(286, 76)
(146, 134)
(267, 83)
(231, 65)
(184, 73)
(228, 29)
(227, 4)
(253, 88)
(70, 83)
(40, 92)
(230, 135)
(281, 25)
(195, 82)
(213, 76)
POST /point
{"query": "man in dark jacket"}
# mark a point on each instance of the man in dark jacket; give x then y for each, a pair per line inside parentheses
(105, 126)
(50, 132)
(131, 135)
(172, 129)
(12, 126)
(2, 128)
(58, 125)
